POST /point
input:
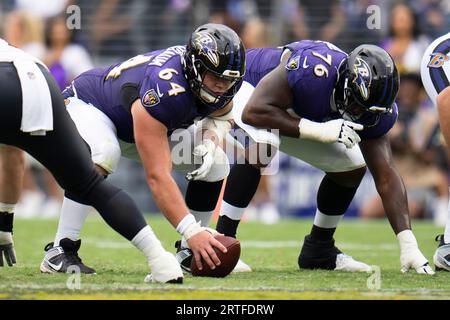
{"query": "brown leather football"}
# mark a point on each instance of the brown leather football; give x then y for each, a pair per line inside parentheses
(227, 260)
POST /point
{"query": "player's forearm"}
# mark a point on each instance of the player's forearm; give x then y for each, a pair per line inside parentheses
(393, 194)
(271, 118)
(167, 196)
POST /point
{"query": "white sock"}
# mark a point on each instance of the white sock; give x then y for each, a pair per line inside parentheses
(231, 211)
(73, 215)
(441, 211)
(326, 221)
(147, 242)
(7, 207)
(203, 216)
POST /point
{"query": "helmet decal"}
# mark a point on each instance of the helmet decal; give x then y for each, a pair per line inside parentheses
(207, 46)
(363, 77)
(437, 60)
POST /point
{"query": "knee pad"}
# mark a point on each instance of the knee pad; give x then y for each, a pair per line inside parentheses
(107, 156)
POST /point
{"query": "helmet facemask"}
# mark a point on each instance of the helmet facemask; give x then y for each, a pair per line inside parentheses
(350, 109)
(206, 94)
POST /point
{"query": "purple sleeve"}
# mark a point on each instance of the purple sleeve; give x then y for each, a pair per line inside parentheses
(293, 69)
(311, 80)
(385, 124)
(167, 109)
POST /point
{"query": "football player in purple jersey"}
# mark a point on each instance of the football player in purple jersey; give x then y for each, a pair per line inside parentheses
(333, 111)
(135, 108)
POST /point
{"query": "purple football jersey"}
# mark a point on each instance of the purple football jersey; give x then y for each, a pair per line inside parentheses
(159, 78)
(312, 74)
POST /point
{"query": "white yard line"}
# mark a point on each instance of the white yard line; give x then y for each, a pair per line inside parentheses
(251, 244)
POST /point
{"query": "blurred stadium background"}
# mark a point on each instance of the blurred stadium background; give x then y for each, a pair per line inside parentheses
(114, 30)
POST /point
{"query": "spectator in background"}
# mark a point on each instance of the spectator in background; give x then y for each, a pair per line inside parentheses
(416, 152)
(110, 29)
(43, 8)
(65, 59)
(295, 20)
(220, 13)
(25, 31)
(254, 34)
(320, 19)
(356, 30)
(434, 16)
(405, 43)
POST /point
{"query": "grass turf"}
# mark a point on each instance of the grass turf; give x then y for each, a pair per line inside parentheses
(271, 251)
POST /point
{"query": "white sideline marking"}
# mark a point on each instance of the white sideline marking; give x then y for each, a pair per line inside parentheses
(254, 244)
(296, 244)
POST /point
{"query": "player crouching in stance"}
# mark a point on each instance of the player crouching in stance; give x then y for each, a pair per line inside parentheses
(134, 109)
(332, 111)
(435, 72)
(34, 119)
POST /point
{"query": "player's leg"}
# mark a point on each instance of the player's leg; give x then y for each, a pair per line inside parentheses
(335, 193)
(66, 155)
(11, 179)
(243, 181)
(99, 133)
(245, 174)
(201, 195)
(344, 170)
(441, 257)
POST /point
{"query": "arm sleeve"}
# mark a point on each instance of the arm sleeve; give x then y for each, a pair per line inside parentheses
(159, 104)
(387, 121)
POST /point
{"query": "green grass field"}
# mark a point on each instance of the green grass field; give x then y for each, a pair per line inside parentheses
(271, 251)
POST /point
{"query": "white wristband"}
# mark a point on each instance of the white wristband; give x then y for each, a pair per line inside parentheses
(192, 230)
(407, 239)
(185, 222)
(309, 129)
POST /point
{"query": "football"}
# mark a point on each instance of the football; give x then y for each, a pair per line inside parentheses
(228, 260)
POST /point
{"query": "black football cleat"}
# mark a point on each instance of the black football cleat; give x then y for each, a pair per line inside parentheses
(324, 255)
(64, 258)
(184, 256)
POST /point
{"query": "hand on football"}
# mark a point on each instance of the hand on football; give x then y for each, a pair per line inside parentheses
(205, 151)
(7, 249)
(202, 245)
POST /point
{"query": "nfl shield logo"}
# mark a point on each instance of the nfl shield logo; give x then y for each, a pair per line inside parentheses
(150, 98)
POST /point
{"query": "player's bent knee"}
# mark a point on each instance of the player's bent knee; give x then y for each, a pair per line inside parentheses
(107, 158)
(350, 178)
